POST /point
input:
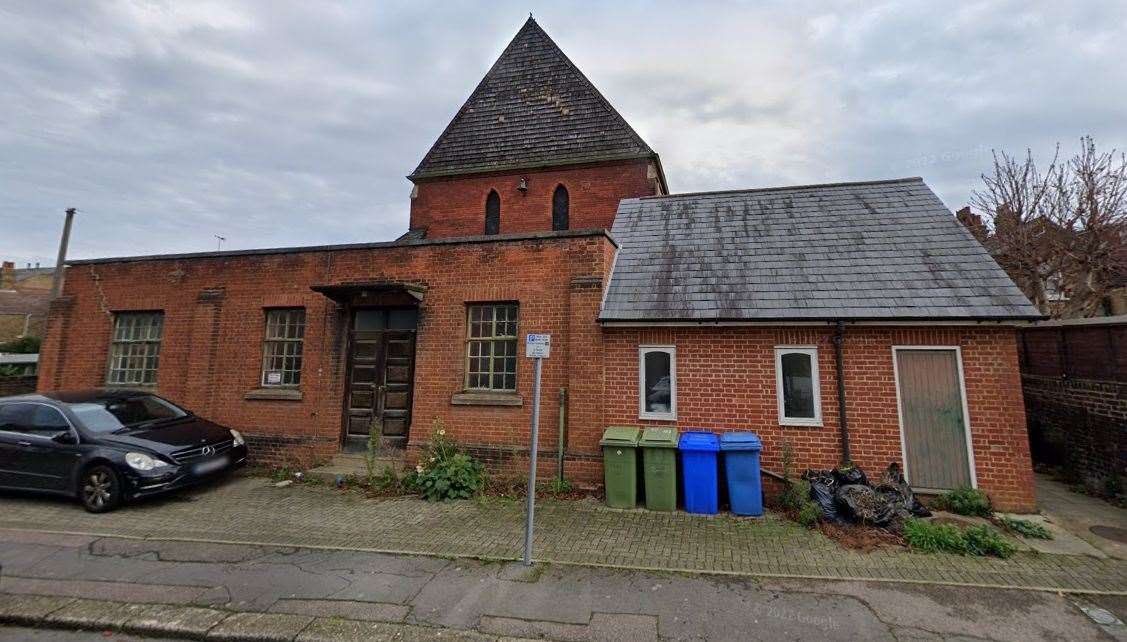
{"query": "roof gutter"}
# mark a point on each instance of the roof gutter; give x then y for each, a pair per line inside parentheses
(797, 321)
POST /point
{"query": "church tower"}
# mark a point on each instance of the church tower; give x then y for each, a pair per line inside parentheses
(535, 148)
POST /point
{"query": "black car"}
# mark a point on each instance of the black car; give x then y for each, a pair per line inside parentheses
(107, 446)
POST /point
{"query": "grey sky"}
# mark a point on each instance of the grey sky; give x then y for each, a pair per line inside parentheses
(273, 123)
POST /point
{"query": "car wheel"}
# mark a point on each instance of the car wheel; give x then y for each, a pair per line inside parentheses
(99, 489)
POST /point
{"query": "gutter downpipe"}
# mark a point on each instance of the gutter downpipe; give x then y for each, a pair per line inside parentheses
(562, 442)
(839, 360)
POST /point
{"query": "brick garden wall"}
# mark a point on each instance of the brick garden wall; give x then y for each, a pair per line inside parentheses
(214, 311)
(456, 206)
(1074, 374)
(17, 385)
(726, 382)
(1080, 424)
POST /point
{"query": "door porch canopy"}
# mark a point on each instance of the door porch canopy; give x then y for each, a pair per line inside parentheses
(373, 293)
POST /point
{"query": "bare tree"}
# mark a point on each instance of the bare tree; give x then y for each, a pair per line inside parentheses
(1091, 205)
(1013, 214)
(1060, 231)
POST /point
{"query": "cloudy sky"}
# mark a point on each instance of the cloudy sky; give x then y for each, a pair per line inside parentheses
(274, 123)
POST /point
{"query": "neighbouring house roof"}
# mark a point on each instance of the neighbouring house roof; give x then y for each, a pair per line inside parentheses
(23, 274)
(33, 302)
(882, 250)
(534, 108)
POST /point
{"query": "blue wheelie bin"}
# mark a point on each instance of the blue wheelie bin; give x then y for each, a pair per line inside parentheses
(741, 467)
(698, 462)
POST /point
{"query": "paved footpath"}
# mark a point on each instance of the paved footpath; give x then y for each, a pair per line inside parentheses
(251, 510)
(113, 588)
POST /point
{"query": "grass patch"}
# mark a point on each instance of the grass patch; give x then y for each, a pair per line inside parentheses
(932, 537)
(1025, 528)
(984, 540)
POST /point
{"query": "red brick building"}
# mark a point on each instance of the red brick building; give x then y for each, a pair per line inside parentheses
(854, 321)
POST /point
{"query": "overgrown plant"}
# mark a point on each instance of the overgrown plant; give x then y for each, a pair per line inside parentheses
(788, 460)
(965, 501)
(933, 537)
(983, 540)
(447, 473)
(374, 448)
(1025, 528)
(22, 345)
(809, 514)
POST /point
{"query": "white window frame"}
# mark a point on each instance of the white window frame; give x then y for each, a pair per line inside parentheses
(642, 412)
(812, 352)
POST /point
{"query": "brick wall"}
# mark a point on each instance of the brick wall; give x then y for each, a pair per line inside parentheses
(726, 381)
(455, 207)
(17, 385)
(1079, 424)
(214, 321)
(214, 317)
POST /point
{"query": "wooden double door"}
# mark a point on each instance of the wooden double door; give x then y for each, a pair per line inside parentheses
(381, 375)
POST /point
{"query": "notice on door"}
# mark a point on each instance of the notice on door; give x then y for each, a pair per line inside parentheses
(538, 346)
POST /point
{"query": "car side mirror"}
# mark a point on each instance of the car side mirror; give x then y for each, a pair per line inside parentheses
(64, 437)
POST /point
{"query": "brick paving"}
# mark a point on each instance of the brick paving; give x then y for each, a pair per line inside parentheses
(252, 511)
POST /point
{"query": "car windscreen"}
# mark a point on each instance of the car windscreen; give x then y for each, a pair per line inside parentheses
(117, 413)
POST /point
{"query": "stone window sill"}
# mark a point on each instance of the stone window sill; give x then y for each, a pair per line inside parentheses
(274, 394)
(487, 399)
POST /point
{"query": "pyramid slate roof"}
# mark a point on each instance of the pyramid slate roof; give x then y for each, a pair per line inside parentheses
(886, 250)
(534, 108)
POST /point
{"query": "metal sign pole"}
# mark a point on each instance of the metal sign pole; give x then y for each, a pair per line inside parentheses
(531, 505)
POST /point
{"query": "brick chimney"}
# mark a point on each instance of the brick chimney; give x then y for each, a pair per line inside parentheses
(8, 276)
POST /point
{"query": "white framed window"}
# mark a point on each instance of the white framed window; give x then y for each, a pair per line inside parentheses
(797, 386)
(657, 382)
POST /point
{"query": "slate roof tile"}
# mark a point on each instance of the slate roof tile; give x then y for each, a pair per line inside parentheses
(533, 108)
(877, 250)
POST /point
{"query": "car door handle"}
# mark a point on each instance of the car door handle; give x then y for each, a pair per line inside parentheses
(25, 444)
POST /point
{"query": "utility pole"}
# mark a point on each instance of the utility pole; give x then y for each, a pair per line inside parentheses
(57, 283)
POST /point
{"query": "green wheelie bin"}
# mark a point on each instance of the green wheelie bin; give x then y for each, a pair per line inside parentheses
(659, 461)
(620, 465)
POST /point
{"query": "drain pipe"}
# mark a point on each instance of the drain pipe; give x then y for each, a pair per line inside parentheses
(839, 359)
(562, 441)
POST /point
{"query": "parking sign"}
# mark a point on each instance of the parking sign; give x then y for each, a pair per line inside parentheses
(538, 346)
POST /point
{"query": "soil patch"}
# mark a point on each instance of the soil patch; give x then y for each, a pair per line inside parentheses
(862, 538)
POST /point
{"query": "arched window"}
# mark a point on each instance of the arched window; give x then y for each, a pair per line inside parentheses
(559, 208)
(493, 213)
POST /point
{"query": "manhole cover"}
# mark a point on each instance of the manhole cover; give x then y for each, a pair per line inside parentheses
(1113, 533)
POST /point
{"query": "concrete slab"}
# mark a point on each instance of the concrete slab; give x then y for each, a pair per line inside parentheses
(259, 627)
(622, 627)
(119, 591)
(46, 539)
(347, 609)
(1079, 513)
(178, 621)
(950, 612)
(334, 630)
(28, 609)
(90, 614)
(1064, 542)
(534, 629)
(170, 551)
